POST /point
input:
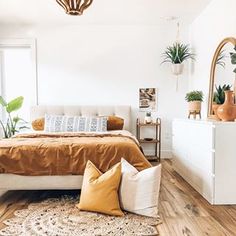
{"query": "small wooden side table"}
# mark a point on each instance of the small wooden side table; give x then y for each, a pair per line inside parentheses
(156, 140)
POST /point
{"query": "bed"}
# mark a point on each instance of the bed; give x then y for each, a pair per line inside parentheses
(21, 171)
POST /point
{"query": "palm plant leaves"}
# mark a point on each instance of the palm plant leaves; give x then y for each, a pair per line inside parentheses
(220, 60)
(177, 53)
(4, 129)
(2, 101)
(11, 126)
(15, 104)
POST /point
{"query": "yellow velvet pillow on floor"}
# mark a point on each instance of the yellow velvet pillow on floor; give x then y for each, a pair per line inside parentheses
(99, 191)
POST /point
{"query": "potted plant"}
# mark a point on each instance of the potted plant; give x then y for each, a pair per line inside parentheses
(219, 96)
(148, 118)
(176, 55)
(194, 99)
(11, 126)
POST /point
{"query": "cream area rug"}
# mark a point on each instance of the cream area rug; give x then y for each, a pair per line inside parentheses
(60, 217)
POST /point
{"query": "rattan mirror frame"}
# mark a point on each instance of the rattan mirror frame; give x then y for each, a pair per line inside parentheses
(225, 41)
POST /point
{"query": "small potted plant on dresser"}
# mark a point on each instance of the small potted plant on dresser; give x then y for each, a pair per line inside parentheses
(219, 97)
(194, 99)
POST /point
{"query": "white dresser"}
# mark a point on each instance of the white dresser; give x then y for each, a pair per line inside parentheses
(205, 156)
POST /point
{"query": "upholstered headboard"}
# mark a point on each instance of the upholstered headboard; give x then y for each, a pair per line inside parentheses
(121, 111)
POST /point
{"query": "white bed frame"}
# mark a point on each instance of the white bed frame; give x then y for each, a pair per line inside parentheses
(19, 182)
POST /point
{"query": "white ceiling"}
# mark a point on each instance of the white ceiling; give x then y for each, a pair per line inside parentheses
(100, 12)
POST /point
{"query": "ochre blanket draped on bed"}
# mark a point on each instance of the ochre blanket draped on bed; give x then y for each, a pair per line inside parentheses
(67, 153)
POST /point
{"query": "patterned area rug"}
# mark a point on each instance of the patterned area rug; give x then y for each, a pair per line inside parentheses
(60, 217)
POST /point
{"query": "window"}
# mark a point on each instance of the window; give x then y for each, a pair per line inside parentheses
(18, 76)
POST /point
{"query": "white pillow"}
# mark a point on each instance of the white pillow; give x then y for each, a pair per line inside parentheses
(58, 123)
(139, 191)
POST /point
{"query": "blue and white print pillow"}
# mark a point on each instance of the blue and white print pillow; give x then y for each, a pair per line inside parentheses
(59, 123)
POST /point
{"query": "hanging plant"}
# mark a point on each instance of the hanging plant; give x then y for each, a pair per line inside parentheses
(176, 55)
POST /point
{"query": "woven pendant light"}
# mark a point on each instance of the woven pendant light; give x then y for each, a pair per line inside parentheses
(74, 7)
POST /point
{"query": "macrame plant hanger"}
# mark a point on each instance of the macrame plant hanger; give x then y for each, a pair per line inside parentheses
(177, 43)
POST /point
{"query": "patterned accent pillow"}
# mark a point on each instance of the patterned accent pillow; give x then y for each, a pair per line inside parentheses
(57, 123)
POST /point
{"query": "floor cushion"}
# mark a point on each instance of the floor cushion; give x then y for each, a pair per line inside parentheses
(139, 191)
(99, 191)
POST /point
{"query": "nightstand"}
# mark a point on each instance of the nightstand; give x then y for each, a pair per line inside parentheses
(155, 141)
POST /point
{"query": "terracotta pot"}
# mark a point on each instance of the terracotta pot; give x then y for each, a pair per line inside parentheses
(177, 69)
(235, 90)
(195, 106)
(234, 112)
(226, 111)
(215, 106)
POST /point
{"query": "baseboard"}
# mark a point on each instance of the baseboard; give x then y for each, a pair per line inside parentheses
(165, 154)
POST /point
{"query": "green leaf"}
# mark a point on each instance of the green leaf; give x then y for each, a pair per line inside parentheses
(194, 96)
(15, 104)
(219, 94)
(221, 59)
(24, 127)
(233, 58)
(16, 119)
(4, 129)
(10, 127)
(2, 101)
(177, 53)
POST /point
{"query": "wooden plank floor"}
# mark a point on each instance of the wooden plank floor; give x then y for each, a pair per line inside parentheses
(185, 212)
(182, 210)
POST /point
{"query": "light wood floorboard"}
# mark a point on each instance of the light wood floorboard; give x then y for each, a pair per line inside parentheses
(185, 212)
(182, 209)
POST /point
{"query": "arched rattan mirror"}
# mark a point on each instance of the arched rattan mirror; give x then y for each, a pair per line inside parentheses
(220, 54)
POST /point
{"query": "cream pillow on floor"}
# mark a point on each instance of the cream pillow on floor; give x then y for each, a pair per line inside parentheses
(139, 191)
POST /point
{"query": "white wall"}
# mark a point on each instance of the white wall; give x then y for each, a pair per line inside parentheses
(215, 23)
(106, 65)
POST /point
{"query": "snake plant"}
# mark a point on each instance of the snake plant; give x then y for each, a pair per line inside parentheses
(219, 94)
(177, 53)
